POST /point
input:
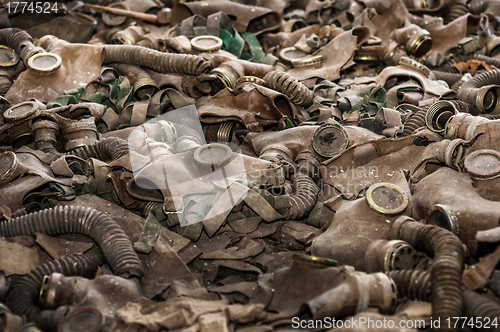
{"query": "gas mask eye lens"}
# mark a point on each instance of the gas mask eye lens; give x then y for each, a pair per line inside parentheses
(483, 164)
(45, 63)
(386, 198)
(8, 57)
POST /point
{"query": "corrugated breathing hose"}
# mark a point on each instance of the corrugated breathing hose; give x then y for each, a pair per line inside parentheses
(449, 77)
(416, 285)
(159, 61)
(305, 195)
(414, 122)
(456, 85)
(446, 269)
(477, 305)
(455, 10)
(482, 92)
(23, 294)
(20, 41)
(15, 38)
(412, 284)
(106, 149)
(485, 7)
(463, 107)
(108, 235)
(491, 116)
(5, 83)
(298, 93)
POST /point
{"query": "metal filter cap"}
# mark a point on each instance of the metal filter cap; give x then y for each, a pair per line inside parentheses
(206, 43)
(386, 198)
(308, 61)
(213, 155)
(113, 20)
(45, 63)
(289, 54)
(483, 164)
(85, 319)
(330, 140)
(8, 57)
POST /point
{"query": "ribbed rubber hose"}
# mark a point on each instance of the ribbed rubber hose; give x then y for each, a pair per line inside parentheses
(446, 269)
(124, 70)
(298, 93)
(414, 122)
(5, 83)
(18, 213)
(25, 210)
(485, 7)
(477, 305)
(456, 86)
(22, 297)
(108, 235)
(449, 77)
(106, 149)
(454, 11)
(494, 285)
(464, 58)
(447, 68)
(412, 284)
(76, 237)
(490, 116)
(464, 93)
(416, 285)
(305, 195)
(463, 107)
(17, 39)
(167, 63)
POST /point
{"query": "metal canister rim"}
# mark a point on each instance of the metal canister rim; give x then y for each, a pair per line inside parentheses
(419, 43)
(209, 163)
(437, 111)
(52, 68)
(477, 173)
(25, 113)
(11, 166)
(341, 147)
(15, 57)
(250, 79)
(288, 50)
(308, 61)
(199, 43)
(380, 209)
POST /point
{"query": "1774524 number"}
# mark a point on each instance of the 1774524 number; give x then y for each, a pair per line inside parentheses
(15, 7)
